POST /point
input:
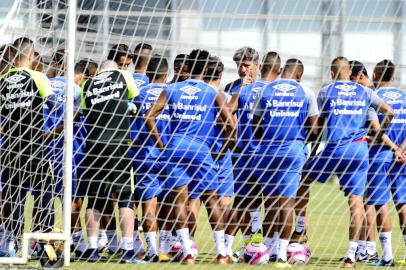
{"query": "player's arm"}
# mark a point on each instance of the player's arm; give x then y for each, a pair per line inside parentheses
(258, 113)
(317, 130)
(228, 122)
(312, 124)
(152, 114)
(388, 113)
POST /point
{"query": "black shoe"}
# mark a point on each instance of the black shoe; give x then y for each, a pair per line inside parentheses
(152, 259)
(299, 237)
(91, 255)
(273, 258)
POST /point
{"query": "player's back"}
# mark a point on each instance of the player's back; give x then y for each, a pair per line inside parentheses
(141, 79)
(396, 98)
(147, 98)
(105, 105)
(192, 110)
(22, 94)
(246, 141)
(285, 108)
(344, 105)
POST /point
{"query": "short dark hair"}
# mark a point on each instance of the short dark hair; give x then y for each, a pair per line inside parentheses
(180, 59)
(21, 46)
(198, 60)
(214, 69)
(356, 68)
(294, 65)
(59, 57)
(271, 62)
(384, 70)
(138, 59)
(118, 51)
(6, 57)
(88, 62)
(157, 67)
(80, 68)
(246, 54)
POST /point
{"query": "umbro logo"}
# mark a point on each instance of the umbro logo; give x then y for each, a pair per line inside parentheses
(346, 87)
(139, 82)
(103, 75)
(190, 90)
(155, 92)
(57, 84)
(255, 89)
(15, 78)
(284, 87)
(392, 95)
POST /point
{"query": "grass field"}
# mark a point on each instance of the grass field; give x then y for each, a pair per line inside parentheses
(328, 236)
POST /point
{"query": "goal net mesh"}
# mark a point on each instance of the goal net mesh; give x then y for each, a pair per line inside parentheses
(234, 193)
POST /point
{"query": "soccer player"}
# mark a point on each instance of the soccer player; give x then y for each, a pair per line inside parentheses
(24, 93)
(7, 55)
(193, 107)
(282, 109)
(91, 67)
(105, 107)
(142, 54)
(180, 68)
(149, 163)
(386, 172)
(121, 54)
(367, 241)
(343, 108)
(246, 59)
(247, 201)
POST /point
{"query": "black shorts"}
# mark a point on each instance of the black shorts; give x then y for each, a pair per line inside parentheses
(22, 175)
(108, 169)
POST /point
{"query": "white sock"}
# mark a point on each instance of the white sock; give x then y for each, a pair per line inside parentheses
(228, 241)
(352, 248)
(127, 243)
(362, 246)
(138, 243)
(256, 222)
(150, 238)
(275, 244)
(102, 239)
(386, 243)
(92, 242)
(184, 238)
(371, 247)
(219, 240)
(79, 241)
(165, 241)
(300, 224)
(283, 249)
(113, 240)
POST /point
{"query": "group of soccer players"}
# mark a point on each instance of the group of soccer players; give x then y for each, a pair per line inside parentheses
(172, 146)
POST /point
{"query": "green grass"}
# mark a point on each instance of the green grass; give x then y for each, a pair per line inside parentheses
(328, 234)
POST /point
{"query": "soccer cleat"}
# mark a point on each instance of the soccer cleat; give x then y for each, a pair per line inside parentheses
(129, 256)
(347, 263)
(188, 260)
(238, 255)
(299, 237)
(383, 263)
(401, 262)
(91, 255)
(365, 257)
(165, 257)
(273, 258)
(280, 264)
(152, 259)
(220, 259)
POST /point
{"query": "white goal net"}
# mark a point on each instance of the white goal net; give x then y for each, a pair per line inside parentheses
(198, 132)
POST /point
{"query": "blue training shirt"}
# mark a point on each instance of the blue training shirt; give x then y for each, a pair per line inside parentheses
(141, 79)
(396, 98)
(246, 141)
(192, 110)
(284, 106)
(344, 105)
(148, 96)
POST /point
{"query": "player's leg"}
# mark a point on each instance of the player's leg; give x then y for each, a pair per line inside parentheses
(193, 214)
(166, 225)
(369, 234)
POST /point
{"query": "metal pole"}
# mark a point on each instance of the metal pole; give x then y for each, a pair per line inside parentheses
(106, 22)
(68, 128)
